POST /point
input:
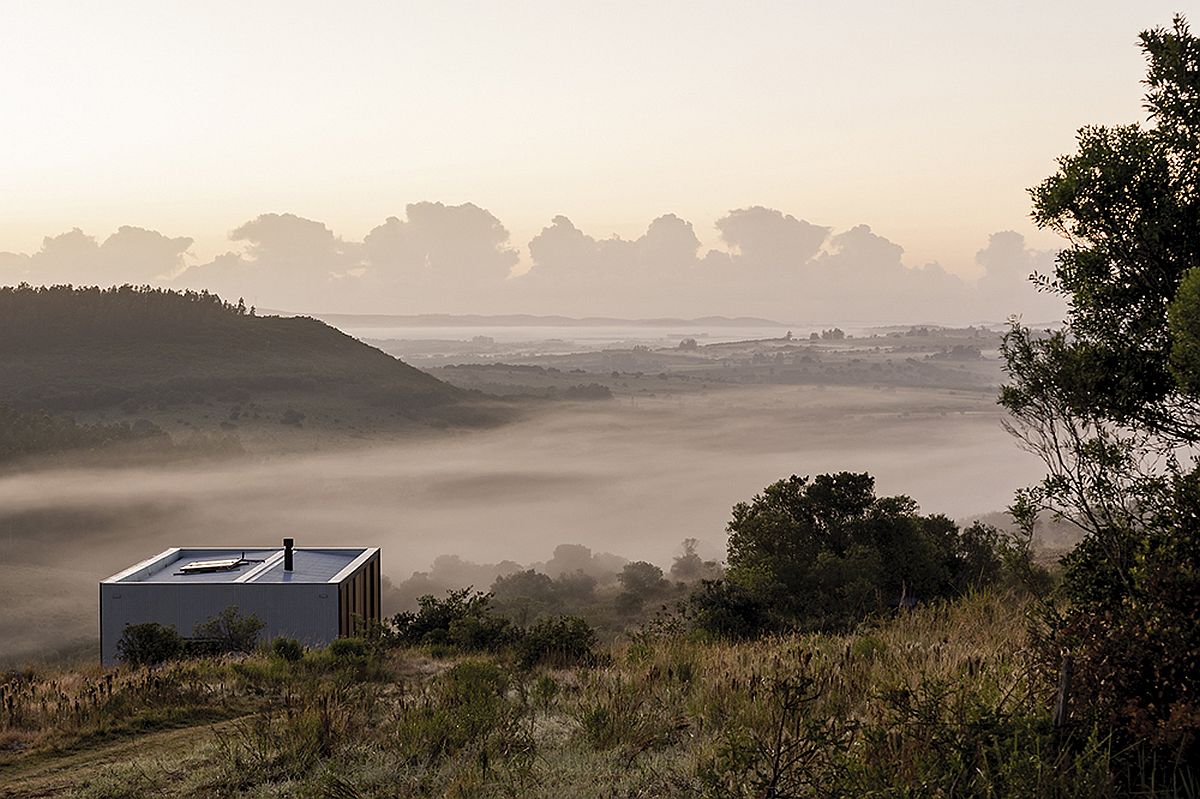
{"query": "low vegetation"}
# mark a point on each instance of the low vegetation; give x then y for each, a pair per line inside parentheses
(948, 697)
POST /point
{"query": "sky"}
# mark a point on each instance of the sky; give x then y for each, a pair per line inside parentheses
(925, 120)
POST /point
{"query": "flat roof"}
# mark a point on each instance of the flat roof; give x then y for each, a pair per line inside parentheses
(252, 565)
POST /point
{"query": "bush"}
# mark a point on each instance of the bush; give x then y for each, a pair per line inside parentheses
(721, 609)
(467, 711)
(562, 641)
(348, 648)
(149, 644)
(825, 553)
(525, 596)
(227, 632)
(463, 620)
(288, 649)
(480, 632)
(1130, 623)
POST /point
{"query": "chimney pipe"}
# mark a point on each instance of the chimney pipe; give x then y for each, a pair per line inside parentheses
(287, 554)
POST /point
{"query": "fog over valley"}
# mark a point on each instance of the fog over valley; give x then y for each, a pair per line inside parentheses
(633, 478)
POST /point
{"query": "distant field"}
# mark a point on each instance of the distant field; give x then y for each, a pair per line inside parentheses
(923, 357)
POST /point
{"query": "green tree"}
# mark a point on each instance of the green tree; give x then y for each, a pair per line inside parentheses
(1111, 403)
(230, 631)
(149, 644)
(643, 580)
(825, 552)
(525, 596)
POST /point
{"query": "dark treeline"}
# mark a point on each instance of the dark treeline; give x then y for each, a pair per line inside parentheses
(40, 317)
(28, 434)
(141, 348)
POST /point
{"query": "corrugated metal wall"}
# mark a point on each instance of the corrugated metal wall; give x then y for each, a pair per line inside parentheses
(359, 598)
(313, 613)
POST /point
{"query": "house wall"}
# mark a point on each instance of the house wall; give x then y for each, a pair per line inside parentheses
(305, 611)
(359, 597)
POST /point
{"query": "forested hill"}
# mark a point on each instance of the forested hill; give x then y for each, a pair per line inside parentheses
(143, 349)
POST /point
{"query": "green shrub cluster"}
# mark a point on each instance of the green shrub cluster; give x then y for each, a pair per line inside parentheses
(464, 621)
(826, 553)
(228, 632)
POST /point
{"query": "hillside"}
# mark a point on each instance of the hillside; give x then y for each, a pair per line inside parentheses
(142, 352)
(943, 701)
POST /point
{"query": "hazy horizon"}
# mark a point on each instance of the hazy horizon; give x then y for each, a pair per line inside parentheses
(462, 260)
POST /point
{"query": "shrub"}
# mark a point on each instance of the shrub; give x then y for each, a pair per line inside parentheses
(472, 681)
(782, 746)
(228, 631)
(1131, 627)
(288, 649)
(348, 648)
(826, 552)
(721, 609)
(463, 618)
(149, 644)
(562, 641)
(469, 709)
(480, 632)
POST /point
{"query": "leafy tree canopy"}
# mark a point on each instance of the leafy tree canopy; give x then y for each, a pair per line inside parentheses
(823, 552)
(1111, 404)
(1127, 201)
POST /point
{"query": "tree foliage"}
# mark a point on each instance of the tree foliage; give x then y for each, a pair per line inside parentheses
(25, 434)
(1111, 403)
(149, 644)
(229, 632)
(825, 552)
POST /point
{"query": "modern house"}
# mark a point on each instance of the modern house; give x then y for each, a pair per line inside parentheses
(312, 594)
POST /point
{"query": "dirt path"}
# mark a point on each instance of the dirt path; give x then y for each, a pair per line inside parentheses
(51, 775)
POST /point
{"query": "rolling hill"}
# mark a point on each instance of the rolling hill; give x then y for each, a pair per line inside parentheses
(147, 352)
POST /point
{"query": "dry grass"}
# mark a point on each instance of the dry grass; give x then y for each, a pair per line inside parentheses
(940, 701)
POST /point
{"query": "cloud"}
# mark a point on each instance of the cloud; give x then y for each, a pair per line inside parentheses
(440, 244)
(761, 237)
(562, 249)
(669, 246)
(131, 255)
(666, 251)
(583, 275)
(14, 268)
(287, 241)
(148, 254)
(459, 259)
(289, 263)
(1005, 288)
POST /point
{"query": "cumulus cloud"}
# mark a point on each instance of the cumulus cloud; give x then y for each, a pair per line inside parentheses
(299, 245)
(658, 270)
(288, 263)
(130, 255)
(459, 259)
(439, 243)
(669, 246)
(562, 249)
(1005, 288)
(761, 237)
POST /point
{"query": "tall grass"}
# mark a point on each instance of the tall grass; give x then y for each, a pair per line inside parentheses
(944, 700)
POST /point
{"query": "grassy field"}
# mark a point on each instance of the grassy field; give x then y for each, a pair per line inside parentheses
(941, 701)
